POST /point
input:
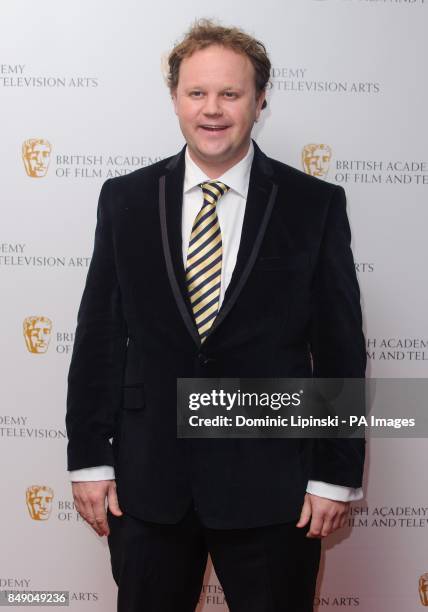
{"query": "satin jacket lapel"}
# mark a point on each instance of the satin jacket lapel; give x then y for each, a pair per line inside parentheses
(170, 208)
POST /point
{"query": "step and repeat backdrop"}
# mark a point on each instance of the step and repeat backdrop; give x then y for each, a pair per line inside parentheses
(83, 98)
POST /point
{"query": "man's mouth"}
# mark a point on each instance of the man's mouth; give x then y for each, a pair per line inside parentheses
(214, 128)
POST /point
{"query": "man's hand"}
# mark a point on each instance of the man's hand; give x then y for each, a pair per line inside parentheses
(327, 515)
(89, 499)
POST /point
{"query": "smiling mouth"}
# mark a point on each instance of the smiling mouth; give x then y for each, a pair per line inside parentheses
(214, 128)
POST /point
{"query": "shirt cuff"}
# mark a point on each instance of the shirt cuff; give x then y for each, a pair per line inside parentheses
(100, 472)
(332, 491)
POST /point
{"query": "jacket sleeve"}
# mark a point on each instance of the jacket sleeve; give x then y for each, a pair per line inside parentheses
(337, 341)
(97, 363)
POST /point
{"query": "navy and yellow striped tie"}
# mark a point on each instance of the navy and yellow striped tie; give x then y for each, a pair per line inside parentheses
(204, 259)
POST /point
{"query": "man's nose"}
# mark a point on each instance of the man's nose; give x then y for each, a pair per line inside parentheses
(212, 106)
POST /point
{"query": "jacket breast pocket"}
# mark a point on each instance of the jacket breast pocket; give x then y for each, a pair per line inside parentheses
(133, 397)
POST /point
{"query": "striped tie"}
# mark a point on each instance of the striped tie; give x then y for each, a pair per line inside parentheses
(204, 259)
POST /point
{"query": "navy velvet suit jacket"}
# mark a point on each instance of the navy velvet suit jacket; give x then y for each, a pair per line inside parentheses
(292, 309)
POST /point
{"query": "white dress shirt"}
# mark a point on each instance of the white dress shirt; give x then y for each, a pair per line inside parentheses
(230, 213)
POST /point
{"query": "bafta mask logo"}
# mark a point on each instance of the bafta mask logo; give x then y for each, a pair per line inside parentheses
(37, 333)
(36, 155)
(316, 159)
(39, 502)
(423, 589)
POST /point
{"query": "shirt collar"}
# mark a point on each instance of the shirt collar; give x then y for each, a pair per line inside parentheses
(237, 177)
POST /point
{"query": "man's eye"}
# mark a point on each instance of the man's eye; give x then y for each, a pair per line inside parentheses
(230, 94)
(196, 94)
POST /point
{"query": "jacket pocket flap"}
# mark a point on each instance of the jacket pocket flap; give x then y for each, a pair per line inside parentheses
(133, 398)
(289, 261)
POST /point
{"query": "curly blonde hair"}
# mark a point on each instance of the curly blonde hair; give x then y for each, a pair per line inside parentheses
(204, 33)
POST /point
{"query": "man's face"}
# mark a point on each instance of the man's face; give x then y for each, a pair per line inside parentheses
(216, 104)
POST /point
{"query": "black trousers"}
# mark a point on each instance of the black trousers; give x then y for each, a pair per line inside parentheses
(160, 568)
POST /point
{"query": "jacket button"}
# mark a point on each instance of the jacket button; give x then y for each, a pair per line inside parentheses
(203, 360)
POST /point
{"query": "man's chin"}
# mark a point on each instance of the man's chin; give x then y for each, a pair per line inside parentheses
(214, 154)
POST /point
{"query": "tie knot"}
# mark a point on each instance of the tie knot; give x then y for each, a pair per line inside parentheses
(214, 189)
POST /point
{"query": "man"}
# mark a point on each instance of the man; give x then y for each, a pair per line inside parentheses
(218, 262)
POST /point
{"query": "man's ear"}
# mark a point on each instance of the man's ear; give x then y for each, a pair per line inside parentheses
(260, 98)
